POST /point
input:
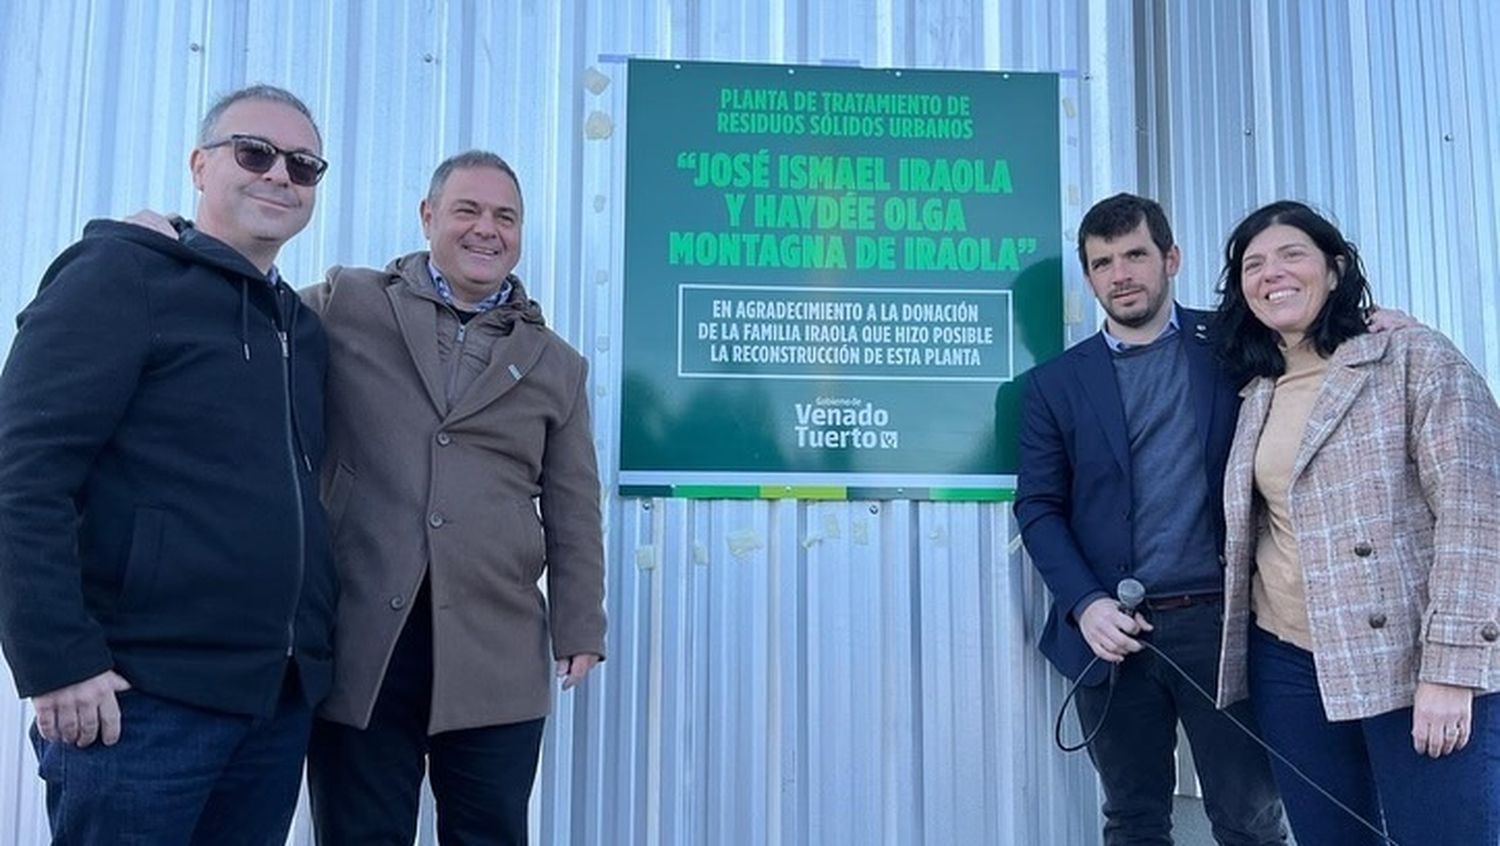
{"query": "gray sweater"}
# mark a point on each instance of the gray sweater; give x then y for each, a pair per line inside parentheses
(1175, 552)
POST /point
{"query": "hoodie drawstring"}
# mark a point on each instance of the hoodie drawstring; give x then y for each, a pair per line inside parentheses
(245, 317)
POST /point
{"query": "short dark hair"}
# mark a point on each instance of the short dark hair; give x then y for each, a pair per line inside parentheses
(468, 159)
(267, 93)
(1250, 348)
(1120, 214)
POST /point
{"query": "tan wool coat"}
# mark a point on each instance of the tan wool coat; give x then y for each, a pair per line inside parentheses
(415, 485)
(1395, 497)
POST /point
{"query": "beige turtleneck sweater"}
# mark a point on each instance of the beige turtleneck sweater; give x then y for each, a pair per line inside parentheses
(1278, 594)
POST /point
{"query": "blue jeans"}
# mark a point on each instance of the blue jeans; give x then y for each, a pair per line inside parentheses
(1133, 750)
(179, 776)
(1370, 764)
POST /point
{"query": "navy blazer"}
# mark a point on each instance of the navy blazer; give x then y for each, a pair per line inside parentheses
(1073, 491)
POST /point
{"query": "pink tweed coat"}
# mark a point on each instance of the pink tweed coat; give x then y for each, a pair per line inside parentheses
(1395, 496)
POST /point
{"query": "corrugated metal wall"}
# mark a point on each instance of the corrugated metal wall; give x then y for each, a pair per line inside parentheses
(798, 673)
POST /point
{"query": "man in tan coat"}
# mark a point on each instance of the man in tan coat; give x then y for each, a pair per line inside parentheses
(460, 470)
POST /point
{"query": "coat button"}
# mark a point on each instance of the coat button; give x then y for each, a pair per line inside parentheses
(1363, 549)
(443, 439)
(398, 602)
(435, 520)
(1377, 620)
(1490, 632)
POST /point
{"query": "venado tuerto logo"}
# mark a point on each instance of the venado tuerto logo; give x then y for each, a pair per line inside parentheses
(843, 423)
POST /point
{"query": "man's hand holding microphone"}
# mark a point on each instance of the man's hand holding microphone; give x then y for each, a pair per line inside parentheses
(1110, 625)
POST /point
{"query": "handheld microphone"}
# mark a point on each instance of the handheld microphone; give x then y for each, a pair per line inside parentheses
(1130, 593)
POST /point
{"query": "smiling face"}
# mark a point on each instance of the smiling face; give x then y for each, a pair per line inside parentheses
(1286, 280)
(473, 230)
(1132, 277)
(255, 213)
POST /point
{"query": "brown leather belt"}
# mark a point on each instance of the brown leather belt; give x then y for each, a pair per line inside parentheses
(1172, 603)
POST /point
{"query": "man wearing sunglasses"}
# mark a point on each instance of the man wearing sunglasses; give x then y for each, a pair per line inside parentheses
(166, 592)
(458, 427)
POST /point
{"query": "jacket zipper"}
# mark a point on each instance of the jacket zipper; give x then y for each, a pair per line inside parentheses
(456, 357)
(291, 452)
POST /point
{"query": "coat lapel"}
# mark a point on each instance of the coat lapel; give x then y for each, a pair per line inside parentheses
(1345, 380)
(514, 357)
(1097, 373)
(1239, 472)
(418, 321)
(1202, 372)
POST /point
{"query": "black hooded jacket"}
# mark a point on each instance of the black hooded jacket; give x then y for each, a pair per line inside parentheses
(161, 423)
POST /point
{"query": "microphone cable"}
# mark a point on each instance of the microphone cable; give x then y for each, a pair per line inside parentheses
(1088, 737)
(1129, 607)
(1130, 593)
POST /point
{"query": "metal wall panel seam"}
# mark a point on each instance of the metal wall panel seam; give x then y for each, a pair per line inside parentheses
(865, 555)
(1361, 98)
(1461, 177)
(626, 747)
(1265, 127)
(1410, 150)
(757, 777)
(656, 669)
(1438, 186)
(1480, 26)
(791, 816)
(1388, 200)
(991, 655)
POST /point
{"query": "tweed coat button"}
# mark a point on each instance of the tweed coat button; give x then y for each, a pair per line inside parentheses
(1377, 620)
(435, 520)
(398, 602)
(443, 439)
(1490, 632)
(1363, 549)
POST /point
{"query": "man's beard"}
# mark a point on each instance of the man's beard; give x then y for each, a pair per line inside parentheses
(1135, 319)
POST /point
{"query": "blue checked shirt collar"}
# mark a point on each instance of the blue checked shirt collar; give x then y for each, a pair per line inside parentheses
(1119, 346)
(445, 291)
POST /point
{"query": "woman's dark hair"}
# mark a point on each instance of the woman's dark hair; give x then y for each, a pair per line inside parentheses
(1248, 347)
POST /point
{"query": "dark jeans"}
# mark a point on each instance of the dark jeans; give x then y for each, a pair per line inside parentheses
(1134, 748)
(179, 775)
(1370, 764)
(366, 784)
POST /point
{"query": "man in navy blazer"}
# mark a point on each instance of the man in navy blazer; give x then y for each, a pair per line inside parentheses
(1124, 438)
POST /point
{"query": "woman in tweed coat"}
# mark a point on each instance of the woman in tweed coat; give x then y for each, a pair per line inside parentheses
(1362, 590)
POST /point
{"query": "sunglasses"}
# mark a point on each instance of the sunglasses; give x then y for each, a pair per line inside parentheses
(258, 155)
